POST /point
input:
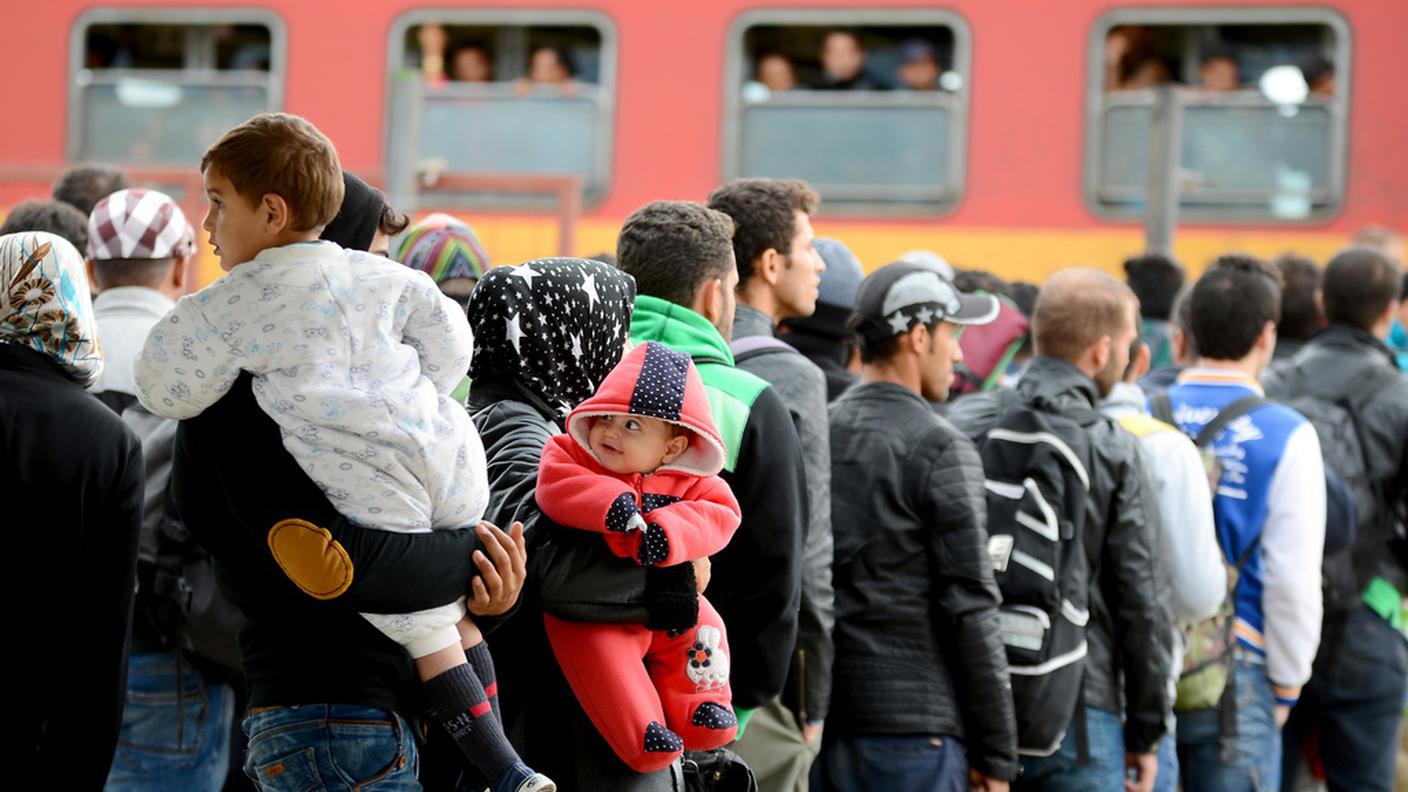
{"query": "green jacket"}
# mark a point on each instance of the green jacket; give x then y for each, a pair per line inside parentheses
(756, 580)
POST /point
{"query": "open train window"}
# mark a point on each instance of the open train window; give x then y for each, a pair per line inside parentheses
(158, 86)
(870, 107)
(1260, 97)
(525, 93)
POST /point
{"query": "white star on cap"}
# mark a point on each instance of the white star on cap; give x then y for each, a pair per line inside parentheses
(925, 315)
(589, 287)
(525, 272)
(899, 322)
(514, 332)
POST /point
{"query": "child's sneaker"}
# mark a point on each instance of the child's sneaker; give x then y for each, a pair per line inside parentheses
(537, 783)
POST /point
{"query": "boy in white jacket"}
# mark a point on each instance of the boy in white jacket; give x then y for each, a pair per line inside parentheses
(355, 357)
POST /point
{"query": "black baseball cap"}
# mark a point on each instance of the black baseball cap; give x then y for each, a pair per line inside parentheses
(898, 296)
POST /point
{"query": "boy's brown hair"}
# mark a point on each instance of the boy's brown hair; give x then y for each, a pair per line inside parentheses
(285, 155)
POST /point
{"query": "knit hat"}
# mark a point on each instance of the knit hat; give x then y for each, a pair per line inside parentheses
(359, 217)
(656, 381)
(443, 247)
(139, 224)
(898, 296)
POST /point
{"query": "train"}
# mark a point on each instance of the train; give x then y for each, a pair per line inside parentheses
(1033, 148)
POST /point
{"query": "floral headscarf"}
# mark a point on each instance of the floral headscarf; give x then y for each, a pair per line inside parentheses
(45, 305)
(553, 327)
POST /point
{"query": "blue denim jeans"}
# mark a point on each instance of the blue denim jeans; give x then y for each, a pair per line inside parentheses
(334, 747)
(1063, 772)
(1252, 762)
(175, 729)
(1353, 703)
(892, 762)
(1167, 779)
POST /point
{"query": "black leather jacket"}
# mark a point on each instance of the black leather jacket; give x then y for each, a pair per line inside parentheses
(918, 648)
(1131, 624)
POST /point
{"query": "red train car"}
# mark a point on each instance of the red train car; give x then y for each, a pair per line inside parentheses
(1025, 159)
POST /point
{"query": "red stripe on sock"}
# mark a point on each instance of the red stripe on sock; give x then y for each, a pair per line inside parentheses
(481, 709)
(492, 690)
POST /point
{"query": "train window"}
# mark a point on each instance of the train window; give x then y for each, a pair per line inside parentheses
(505, 92)
(1261, 102)
(158, 86)
(870, 107)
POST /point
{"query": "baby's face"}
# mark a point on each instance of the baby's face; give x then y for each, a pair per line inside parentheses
(634, 443)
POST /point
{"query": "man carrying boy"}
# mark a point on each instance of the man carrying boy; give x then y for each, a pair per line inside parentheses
(325, 686)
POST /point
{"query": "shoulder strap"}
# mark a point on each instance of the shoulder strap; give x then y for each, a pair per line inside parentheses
(1228, 414)
(753, 346)
(1161, 407)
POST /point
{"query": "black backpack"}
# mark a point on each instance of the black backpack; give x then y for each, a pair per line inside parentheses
(1035, 461)
(1376, 521)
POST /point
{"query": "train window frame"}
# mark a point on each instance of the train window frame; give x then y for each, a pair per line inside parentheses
(735, 75)
(607, 79)
(1096, 109)
(78, 84)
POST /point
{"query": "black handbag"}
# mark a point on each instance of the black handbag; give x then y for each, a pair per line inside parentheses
(719, 770)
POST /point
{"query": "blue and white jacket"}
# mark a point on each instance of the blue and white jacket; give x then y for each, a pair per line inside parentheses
(1272, 486)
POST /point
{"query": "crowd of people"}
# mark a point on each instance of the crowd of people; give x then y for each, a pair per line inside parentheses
(843, 64)
(723, 510)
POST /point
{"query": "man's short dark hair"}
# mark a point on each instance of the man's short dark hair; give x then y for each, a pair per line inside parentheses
(1231, 304)
(82, 188)
(1155, 279)
(1360, 284)
(1300, 285)
(56, 217)
(1183, 319)
(764, 216)
(150, 273)
(672, 248)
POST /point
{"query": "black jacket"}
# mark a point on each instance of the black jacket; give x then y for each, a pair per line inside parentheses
(918, 647)
(829, 355)
(72, 479)
(1131, 625)
(577, 573)
(1338, 360)
(232, 480)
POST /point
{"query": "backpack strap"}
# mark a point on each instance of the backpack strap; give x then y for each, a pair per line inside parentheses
(749, 347)
(1226, 416)
(1161, 407)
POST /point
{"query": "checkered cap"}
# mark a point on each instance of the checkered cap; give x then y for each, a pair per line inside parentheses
(139, 224)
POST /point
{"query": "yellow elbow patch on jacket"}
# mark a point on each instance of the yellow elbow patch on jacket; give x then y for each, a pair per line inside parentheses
(311, 558)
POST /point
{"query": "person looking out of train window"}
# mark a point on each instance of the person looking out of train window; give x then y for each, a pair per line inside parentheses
(549, 67)
(470, 62)
(1217, 71)
(919, 66)
(775, 72)
(843, 64)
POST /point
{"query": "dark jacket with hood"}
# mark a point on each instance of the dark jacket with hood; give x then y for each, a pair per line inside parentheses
(522, 392)
(918, 646)
(1339, 362)
(1130, 625)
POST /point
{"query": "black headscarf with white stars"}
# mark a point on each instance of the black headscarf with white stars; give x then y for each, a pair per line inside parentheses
(553, 327)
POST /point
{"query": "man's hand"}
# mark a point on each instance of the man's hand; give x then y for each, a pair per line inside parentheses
(503, 566)
(702, 569)
(812, 731)
(977, 782)
(1145, 767)
(432, 39)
